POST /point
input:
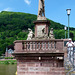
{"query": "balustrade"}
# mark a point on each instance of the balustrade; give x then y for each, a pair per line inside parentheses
(38, 45)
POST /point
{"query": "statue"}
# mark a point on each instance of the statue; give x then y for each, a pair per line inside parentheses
(30, 35)
(51, 35)
(41, 10)
(44, 33)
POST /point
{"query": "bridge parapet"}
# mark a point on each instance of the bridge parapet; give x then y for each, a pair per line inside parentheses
(39, 46)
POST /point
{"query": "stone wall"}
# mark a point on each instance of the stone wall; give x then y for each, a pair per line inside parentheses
(42, 66)
(40, 57)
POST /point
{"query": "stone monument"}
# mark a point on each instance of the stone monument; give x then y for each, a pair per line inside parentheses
(41, 22)
(40, 55)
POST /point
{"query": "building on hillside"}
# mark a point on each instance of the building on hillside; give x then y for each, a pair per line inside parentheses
(9, 51)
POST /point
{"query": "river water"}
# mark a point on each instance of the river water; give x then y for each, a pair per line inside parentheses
(7, 69)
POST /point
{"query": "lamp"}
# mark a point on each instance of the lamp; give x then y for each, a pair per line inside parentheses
(65, 28)
(68, 13)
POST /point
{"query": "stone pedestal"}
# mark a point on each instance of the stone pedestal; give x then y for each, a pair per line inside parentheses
(40, 57)
(46, 64)
(40, 25)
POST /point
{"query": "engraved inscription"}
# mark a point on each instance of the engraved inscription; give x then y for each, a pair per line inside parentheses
(38, 69)
(34, 69)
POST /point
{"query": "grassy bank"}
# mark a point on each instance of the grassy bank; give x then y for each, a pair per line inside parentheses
(8, 61)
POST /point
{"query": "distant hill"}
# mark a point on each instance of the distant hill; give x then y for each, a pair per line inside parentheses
(14, 26)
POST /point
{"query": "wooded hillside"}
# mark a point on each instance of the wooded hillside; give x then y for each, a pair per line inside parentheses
(14, 26)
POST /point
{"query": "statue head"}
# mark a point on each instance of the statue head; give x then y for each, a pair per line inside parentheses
(29, 29)
(51, 28)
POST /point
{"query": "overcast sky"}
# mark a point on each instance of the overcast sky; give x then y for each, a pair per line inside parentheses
(55, 9)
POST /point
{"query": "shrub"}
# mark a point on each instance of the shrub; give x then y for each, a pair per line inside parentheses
(6, 62)
(8, 57)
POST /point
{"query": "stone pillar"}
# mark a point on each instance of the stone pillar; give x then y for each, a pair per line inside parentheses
(40, 25)
(32, 65)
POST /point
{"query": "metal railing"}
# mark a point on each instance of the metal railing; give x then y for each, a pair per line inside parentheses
(71, 54)
(70, 60)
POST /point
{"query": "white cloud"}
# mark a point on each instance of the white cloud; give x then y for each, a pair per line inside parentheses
(7, 9)
(27, 1)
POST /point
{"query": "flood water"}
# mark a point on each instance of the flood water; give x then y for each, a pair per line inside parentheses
(7, 69)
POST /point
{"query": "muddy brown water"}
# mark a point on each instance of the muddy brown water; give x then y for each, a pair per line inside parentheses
(7, 69)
